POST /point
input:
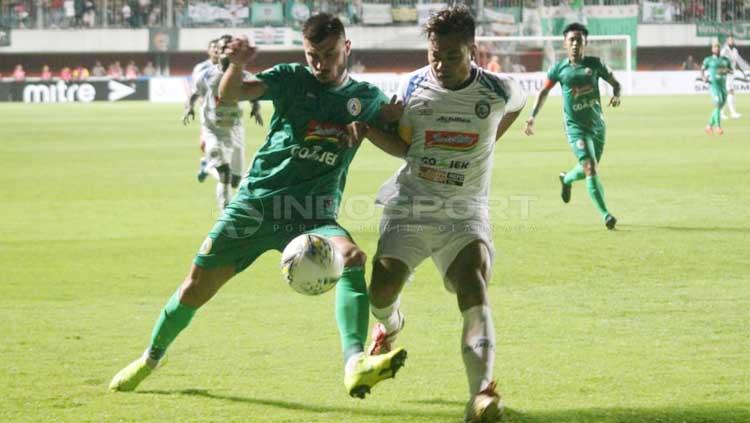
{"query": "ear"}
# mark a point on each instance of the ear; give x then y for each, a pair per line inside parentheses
(347, 47)
(473, 51)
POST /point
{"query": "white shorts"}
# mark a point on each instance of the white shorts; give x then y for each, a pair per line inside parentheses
(225, 147)
(411, 242)
(730, 82)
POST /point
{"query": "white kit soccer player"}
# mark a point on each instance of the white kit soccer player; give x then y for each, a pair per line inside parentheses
(738, 63)
(223, 133)
(448, 169)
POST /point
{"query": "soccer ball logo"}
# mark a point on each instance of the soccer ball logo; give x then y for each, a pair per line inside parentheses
(311, 265)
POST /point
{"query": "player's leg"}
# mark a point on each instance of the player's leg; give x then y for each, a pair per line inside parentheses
(722, 99)
(730, 98)
(389, 274)
(361, 372)
(229, 248)
(574, 174)
(198, 287)
(237, 163)
(468, 275)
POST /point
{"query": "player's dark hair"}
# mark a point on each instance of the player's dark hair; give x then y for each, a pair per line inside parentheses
(321, 26)
(452, 20)
(575, 26)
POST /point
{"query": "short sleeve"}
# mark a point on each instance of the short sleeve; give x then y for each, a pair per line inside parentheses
(516, 96)
(201, 88)
(604, 71)
(552, 73)
(277, 79)
(705, 63)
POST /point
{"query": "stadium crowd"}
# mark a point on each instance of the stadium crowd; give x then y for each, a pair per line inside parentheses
(79, 73)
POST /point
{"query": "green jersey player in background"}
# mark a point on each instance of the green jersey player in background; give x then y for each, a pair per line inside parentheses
(718, 67)
(294, 186)
(579, 76)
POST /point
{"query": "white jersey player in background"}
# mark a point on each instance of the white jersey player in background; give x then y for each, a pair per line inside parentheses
(214, 54)
(222, 131)
(437, 204)
(738, 63)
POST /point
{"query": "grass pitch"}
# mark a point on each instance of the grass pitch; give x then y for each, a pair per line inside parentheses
(101, 215)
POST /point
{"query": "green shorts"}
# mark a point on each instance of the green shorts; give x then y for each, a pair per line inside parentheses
(586, 143)
(718, 94)
(241, 235)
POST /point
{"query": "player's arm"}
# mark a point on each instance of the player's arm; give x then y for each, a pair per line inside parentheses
(703, 71)
(256, 113)
(189, 106)
(233, 86)
(538, 103)
(611, 80)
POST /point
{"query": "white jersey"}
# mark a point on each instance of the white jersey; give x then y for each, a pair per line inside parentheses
(734, 57)
(215, 116)
(452, 135)
(197, 70)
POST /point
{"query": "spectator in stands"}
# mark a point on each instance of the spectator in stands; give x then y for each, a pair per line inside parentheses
(127, 14)
(88, 18)
(80, 73)
(494, 64)
(22, 15)
(131, 70)
(154, 18)
(115, 71)
(46, 74)
(149, 70)
(689, 63)
(98, 70)
(18, 73)
(65, 74)
(57, 13)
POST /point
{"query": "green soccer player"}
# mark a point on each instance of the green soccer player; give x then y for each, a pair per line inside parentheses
(294, 186)
(718, 67)
(578, 76)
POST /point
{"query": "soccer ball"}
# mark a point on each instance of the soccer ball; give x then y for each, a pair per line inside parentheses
(311, 265)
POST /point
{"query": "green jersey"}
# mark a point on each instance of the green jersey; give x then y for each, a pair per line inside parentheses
(718, 67)
(580, 89)
(300, 171)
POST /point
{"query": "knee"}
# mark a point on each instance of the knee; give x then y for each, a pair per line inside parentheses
(589, 168)
(388, 277)
(236, 181)
(353, 256)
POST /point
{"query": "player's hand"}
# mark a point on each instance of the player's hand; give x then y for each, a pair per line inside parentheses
(188, 116)
(203, 145)
(392, 111)
(356, 132)
(240, 51)
(529, 129)
(614, 101)
(255, 113)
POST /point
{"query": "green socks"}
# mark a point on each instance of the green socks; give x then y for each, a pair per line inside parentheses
(715, 118)
(575, 174)
(173, 319)
(352, 310)
(596, 192)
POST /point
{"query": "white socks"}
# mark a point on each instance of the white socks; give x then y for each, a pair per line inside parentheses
(478, 347)
(222, 195)
(730, 104)
(389, 316)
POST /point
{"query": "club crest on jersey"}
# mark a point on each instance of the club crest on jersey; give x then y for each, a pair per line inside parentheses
(588, 71)
(482, 109)
(581, 144)
(354, 106)
(450, 140)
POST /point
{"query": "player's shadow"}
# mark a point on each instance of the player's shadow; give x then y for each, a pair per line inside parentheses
(452, 416)
(692, 228)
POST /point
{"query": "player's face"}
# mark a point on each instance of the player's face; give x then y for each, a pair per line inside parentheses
(574, 44)
(213, 52)
(715, 49)
(450, 58)
(328, 58)
(730, 42)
